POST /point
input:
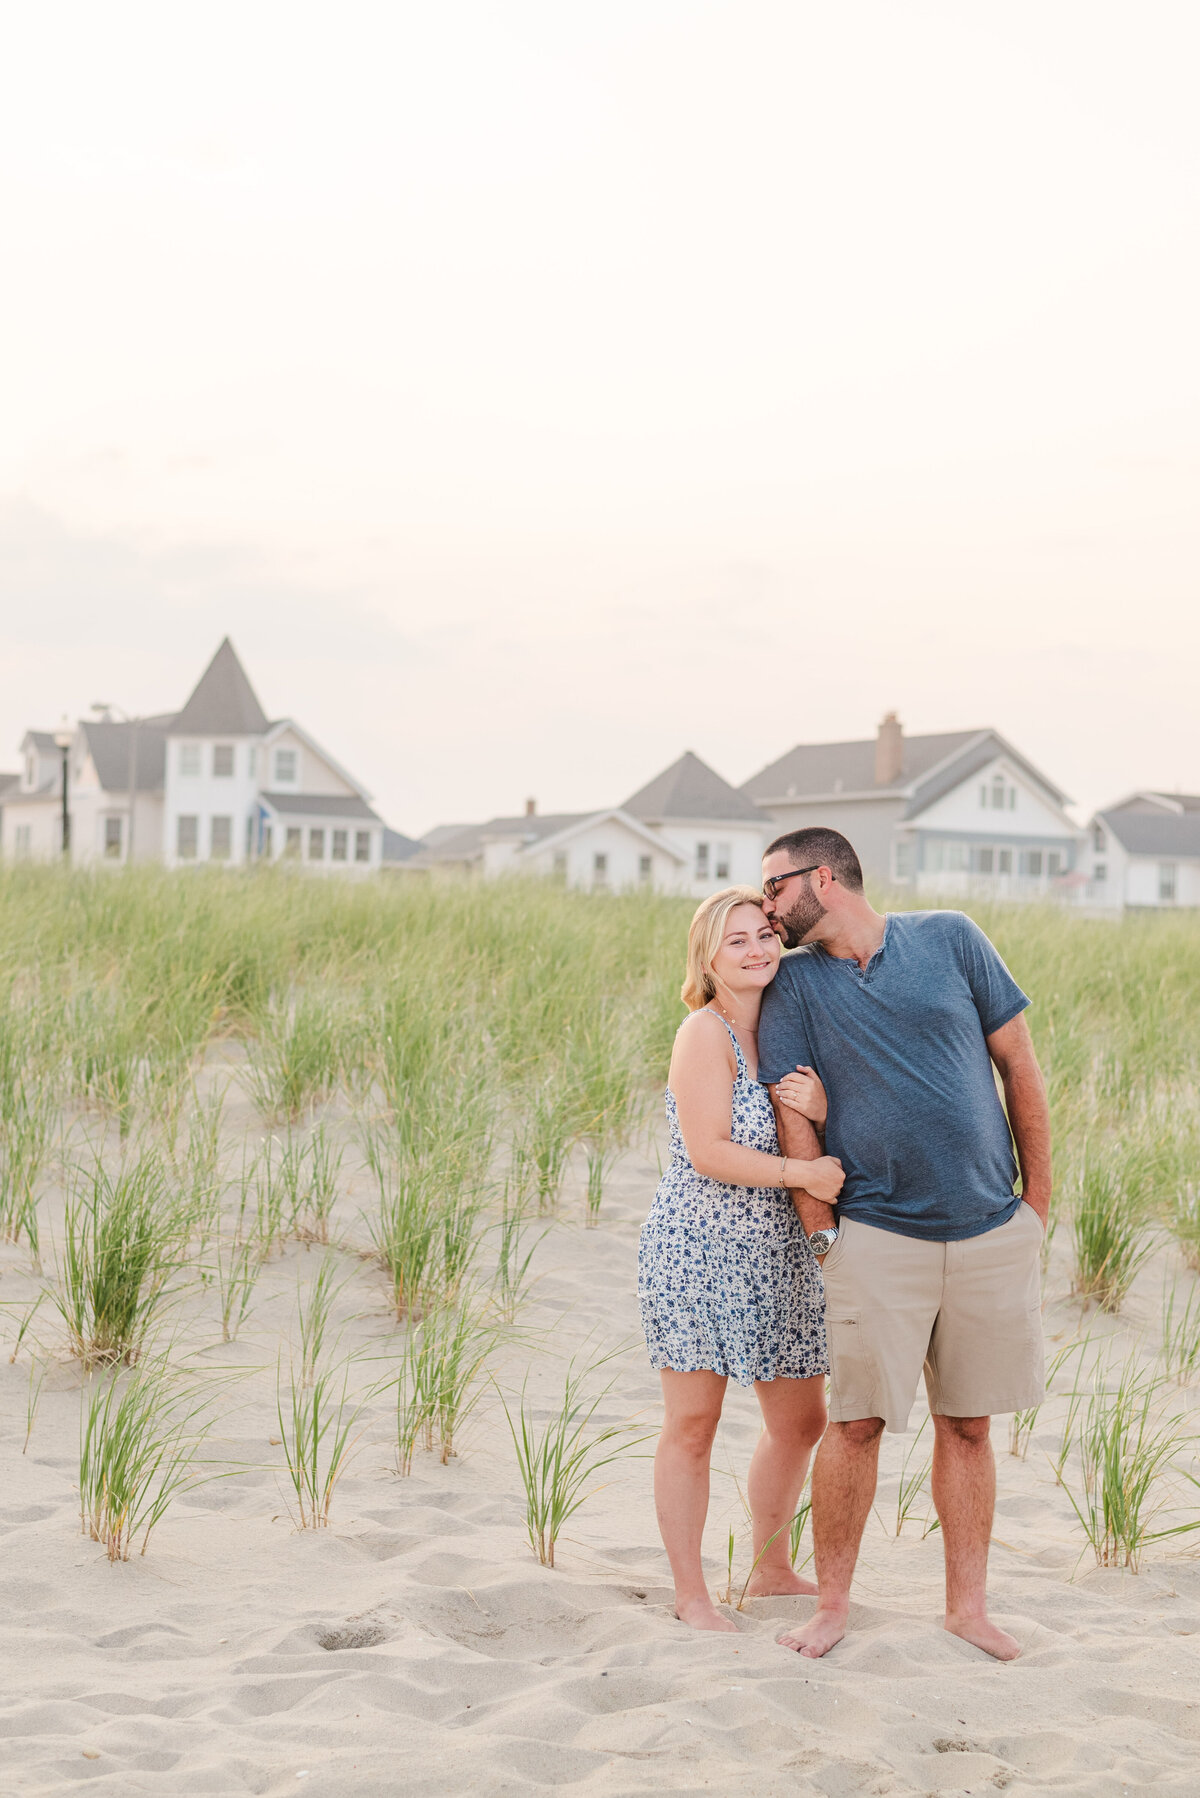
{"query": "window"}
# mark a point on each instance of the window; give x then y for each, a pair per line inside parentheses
(1031, 863)
(599, 869)
(984, 861)
(266, 842)
(1166, 883)
(362, 845)
(220, 838)
(957, 857)
(1099, 840)
(30, 773)
(723, 860)
(645, 869)
(222, 760)
(560, 864)
(291, 843)
(701, 861)
(189, 760)
(1004, 861)
(285, 767)
(983, 795)
(1053, 862)
(112, 838)
(187, 836)
(1012, 799)
(998, 793)
(316, 844)
(1100, 872)
(339, 845)
(905, 858)
(22, 839)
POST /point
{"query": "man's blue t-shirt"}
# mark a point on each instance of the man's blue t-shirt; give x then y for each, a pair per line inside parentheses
(913, 1109)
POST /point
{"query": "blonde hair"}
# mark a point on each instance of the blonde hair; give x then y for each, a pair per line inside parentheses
(705, 935)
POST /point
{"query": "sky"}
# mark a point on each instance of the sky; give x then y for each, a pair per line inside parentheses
(536, 390)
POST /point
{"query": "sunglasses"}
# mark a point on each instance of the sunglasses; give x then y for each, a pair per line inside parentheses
(772, 886)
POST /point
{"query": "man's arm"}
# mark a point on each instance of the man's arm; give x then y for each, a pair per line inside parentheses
(1011, 1048)
(798, 1138)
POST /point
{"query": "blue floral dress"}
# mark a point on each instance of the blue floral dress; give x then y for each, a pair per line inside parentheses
(726, 1279)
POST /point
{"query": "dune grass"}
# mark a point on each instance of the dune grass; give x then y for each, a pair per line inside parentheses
(139, 1437)
(479, 1049)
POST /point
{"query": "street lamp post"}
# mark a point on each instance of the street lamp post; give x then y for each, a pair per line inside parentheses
(133, 740)
(62, 738)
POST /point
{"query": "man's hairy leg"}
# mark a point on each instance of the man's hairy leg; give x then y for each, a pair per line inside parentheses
(964, 1496)
(844, 1478)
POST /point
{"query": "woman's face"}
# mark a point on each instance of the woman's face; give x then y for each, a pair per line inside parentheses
(749, 952)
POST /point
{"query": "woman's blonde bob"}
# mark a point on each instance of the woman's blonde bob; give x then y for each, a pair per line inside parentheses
(705, 937)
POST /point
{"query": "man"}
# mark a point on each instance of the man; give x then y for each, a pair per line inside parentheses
(933, 1260)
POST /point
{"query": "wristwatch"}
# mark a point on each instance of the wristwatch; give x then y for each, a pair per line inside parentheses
(821, 1241)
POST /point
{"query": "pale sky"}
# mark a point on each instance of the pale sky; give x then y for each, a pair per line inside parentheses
(534, 391)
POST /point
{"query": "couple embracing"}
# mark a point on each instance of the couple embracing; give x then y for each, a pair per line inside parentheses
(840, 1200)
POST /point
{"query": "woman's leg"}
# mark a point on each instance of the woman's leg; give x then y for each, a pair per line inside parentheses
(793, 1422)
(693, 1410)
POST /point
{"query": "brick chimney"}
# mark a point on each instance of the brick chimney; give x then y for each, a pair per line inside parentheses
(531, 808)
(889, 751)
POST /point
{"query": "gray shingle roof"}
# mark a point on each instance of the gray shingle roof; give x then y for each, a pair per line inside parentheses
(690, 789)
(223, 704)
(320, 805)
(813, 768)
(109, 746)
(397, 847)
(7, 781)
(43, 741)
(1157, 831)
(463, 842)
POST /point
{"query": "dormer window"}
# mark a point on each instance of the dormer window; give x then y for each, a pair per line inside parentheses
(31, 771)
(1099, 840)
(222, 760)
(286, 769)
(189, 760)
(998, 793)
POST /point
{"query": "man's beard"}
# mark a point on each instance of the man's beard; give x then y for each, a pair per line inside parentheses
(804, 916)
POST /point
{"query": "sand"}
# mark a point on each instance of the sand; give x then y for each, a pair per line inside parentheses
(417, 1647)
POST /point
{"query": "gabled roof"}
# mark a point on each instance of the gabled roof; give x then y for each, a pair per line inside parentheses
(7, 781)
(823, 768)
(589, 820)
(1166, 824)
(223, 704)
(689, 790)
(41, 740)
(319, 805)
(464, 842)
(278, 726)
(109, 747)
(930, 766)
(397, 847)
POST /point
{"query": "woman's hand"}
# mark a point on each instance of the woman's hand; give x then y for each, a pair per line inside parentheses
(823, 1178)
(803, 1092)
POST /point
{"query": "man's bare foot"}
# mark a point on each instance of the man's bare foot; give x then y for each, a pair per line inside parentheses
(983, 1634)
(778, 1582)
(702, 1613)
(816, 1637)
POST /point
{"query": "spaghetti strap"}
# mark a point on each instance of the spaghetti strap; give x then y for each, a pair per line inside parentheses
(743, 1066)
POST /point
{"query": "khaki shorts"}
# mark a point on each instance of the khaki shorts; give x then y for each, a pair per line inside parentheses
(969, 1312)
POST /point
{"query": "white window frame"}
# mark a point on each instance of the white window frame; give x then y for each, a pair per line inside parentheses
(189, 761)
(114, 849)
(339, 845)
(362, 846)
(279, 779)
(316, 843)
(183, 854)
(1168, 883)
(225, 852)
(222, 752)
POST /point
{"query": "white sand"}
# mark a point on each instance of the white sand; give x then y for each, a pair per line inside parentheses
(417, 1647)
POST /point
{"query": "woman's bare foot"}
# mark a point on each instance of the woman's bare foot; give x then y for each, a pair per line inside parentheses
(986, 1635)
(702, 1613)
(816, 1637)
(778, 1582)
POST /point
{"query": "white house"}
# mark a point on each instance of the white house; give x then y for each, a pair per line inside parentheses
(1145, 852)
(216, 782)
(687, 831)
(959, 813)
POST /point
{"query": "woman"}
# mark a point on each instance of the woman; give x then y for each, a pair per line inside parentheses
(727, 1283)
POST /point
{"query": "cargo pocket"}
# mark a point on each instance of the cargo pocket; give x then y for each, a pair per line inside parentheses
(852, 1381)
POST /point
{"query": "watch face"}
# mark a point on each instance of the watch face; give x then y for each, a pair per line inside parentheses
(821, 1241)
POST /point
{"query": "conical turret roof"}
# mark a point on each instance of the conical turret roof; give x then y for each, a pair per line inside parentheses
(224, 704)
